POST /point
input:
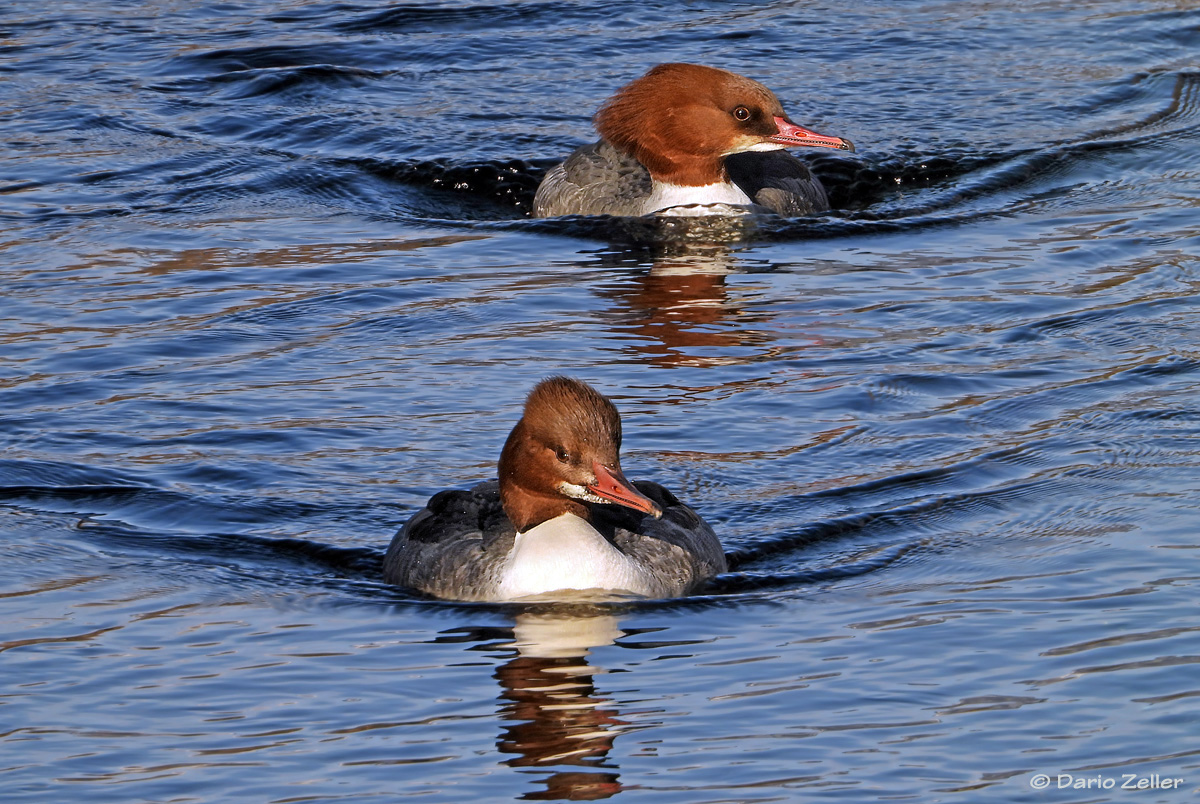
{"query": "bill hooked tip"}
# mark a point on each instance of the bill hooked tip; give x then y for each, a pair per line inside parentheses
(790, 134)
(612, 486)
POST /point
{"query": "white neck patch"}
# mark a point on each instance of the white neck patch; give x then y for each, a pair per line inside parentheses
(664, 196)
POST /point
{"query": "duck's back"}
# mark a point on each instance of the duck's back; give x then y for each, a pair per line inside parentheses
(457, 547)
(597, 179)
(454, 547)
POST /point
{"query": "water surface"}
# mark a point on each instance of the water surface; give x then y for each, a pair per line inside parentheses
(269, 282)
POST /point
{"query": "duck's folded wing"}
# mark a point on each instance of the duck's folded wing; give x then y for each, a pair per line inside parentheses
(452, 548)
(679, 548)
(597, 179)
(778, 181)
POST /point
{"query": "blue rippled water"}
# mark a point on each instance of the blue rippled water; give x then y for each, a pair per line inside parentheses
(269, 281)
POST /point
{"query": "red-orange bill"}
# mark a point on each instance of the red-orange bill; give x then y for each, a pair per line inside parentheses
(792, 134)
(612, 486)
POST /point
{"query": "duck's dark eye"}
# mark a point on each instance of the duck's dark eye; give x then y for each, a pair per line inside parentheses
(562, 455)
(741, 113)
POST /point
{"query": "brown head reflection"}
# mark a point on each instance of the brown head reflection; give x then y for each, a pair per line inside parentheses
(683, 313)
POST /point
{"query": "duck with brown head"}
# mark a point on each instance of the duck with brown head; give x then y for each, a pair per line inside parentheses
(692, 136)
(561, 520)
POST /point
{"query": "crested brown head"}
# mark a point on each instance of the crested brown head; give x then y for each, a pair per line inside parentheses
(563, 455)
(679, 120)
(566, 426)
(562, 410)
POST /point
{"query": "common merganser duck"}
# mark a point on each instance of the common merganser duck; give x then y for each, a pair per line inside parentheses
(683, 135)
(561, 517)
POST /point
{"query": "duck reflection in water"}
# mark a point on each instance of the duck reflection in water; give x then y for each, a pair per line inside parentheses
(549, 700)
(683, 312)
